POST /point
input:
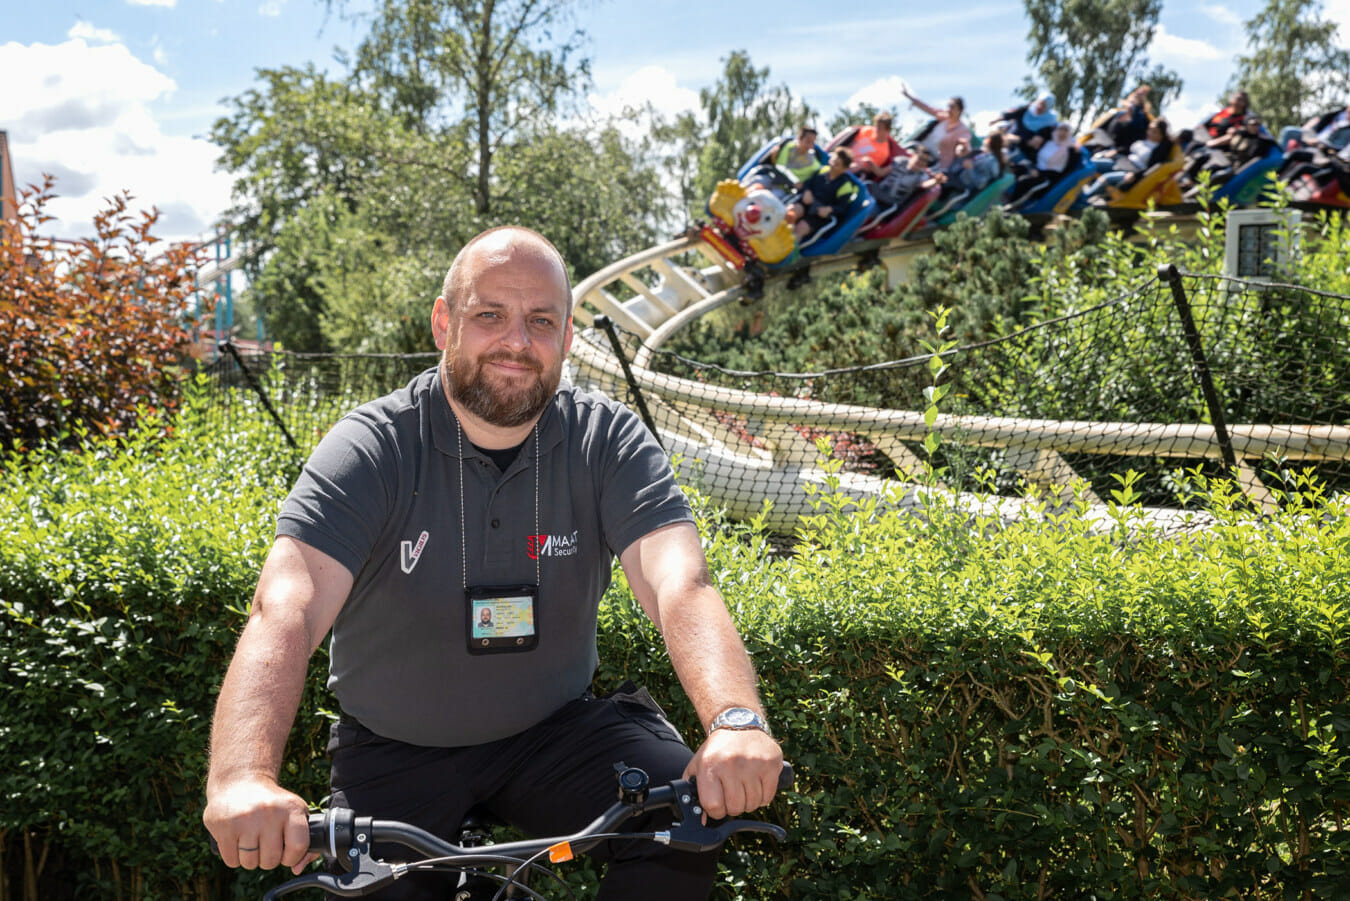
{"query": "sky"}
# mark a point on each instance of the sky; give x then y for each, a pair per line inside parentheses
(114, 95)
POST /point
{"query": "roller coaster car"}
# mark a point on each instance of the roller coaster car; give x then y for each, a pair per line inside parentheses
(766, 155)
(1157, 183)
(1333, 192)
(749, 221)
(1062, 195)
(1252, 180)
(840, 229)
(898, 220)
(978, 205)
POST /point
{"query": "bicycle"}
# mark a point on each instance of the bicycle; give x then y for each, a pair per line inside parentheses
(339, 834)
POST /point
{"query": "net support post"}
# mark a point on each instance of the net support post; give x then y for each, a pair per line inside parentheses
(1200, 366)
(227, 347)
(606, 325)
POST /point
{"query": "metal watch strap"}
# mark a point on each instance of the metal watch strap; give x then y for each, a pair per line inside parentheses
(739, 719)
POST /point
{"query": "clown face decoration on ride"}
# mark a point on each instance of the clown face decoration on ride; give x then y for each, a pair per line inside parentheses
(758, 214)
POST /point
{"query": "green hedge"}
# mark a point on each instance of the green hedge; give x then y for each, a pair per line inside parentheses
(975, 710)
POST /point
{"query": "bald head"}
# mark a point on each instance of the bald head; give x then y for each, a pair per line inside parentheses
(501, 245)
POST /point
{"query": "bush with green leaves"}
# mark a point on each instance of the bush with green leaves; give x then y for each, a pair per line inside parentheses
(976, 709)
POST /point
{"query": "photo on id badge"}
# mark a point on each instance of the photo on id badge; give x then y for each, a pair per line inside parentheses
(502, 618)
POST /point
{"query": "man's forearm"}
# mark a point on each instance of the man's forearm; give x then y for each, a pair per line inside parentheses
(258, 702)
(708, 655)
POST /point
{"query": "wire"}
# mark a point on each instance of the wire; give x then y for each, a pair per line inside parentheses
(466, 864)
(590, 841)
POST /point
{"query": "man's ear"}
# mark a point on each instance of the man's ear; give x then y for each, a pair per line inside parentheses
(567, 337)
(440, 322)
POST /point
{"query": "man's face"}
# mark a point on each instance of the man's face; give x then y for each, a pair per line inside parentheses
(505, 338)
(806, 141)
(837, 163)
(485, 616)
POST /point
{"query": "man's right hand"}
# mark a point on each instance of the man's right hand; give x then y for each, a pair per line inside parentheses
(258, 825)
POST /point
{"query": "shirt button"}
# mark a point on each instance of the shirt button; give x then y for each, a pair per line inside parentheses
(496, 523)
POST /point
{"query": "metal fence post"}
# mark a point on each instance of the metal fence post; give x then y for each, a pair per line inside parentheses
(1200, 366)
(605, 324)
(228, 347)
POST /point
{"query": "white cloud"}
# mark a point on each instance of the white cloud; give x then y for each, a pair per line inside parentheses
(1173, 48)
(1338, 11)
(649, 85)
(886, 93)
(85, 31)
(1224, 15)
(86, 115)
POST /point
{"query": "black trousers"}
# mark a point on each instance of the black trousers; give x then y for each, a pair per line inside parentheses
(552, 779)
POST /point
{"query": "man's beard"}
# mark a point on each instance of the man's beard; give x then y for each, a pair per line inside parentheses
(505, 407)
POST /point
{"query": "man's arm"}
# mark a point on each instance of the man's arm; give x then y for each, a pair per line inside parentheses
(736, 771)
(256, 822)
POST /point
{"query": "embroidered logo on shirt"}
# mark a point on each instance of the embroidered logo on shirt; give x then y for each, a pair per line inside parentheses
(551, 546)
(408, 554)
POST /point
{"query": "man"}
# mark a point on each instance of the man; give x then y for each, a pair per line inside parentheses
(484, 479)
(1230, 118)
(873, 148)
(824, 196)
(800, 157)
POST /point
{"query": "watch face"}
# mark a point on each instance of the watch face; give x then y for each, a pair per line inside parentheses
(738, 717)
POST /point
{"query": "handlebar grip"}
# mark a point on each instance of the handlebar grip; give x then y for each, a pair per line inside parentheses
(786, 777)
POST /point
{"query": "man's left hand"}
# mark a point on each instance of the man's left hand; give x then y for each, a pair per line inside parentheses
(736, 771)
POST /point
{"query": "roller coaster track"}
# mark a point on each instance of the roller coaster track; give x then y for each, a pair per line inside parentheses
(664, 292)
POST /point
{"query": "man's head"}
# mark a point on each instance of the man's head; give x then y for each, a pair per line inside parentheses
(485, 616)
(503, 323)
(882, 122)
(806, 138)
(1239, 101)
(840, 160)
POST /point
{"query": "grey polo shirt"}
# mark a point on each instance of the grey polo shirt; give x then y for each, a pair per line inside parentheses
(381, 494)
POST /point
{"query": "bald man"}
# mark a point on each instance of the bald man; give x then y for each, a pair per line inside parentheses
(485, 491)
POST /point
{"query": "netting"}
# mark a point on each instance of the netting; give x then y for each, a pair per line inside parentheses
(1258, 388)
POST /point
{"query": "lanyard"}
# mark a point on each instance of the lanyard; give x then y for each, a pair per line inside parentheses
(463, 548)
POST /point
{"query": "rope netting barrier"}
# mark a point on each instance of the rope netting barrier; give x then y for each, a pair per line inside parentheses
(1185, 374)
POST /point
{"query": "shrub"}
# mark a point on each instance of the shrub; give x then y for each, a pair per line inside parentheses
(90, 331)
(975, 709)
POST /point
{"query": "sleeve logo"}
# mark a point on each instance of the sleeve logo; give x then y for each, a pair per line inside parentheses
(408, 554)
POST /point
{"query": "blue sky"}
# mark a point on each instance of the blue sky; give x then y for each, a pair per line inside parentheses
(114, 94)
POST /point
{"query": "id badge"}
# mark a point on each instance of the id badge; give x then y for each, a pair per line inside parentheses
(502, 618)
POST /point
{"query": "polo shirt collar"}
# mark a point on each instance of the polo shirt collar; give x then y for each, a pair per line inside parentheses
(444, 428)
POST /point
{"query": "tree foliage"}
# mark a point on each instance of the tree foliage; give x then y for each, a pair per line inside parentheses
(92, 333)
(487, 69)
(355, 192)
(1295, 67)
(739, 112)
(1090, 53)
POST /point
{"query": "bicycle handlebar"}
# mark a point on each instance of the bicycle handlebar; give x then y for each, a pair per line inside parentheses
(339, 833)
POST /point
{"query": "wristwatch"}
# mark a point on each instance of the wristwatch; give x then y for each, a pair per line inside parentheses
(739, 719)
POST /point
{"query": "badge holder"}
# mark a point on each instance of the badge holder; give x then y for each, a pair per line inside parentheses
(502, 618)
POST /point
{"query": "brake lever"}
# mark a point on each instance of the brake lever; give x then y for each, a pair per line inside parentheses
(690, 833)
(365, 877)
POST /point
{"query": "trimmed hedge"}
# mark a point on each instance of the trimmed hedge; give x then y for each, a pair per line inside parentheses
(975, 710)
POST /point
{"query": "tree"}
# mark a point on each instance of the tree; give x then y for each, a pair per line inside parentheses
(1090, 53)
(1295, 68)
(92, 333)
(739, 114)
(489, 68)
